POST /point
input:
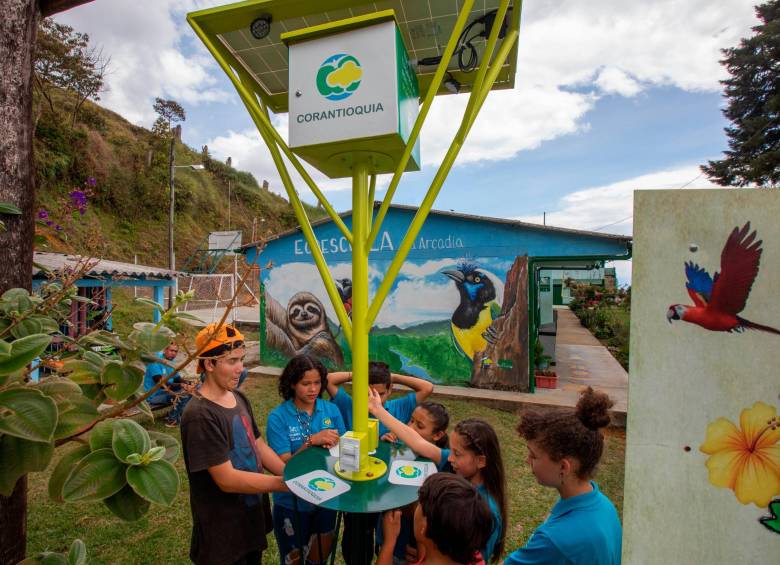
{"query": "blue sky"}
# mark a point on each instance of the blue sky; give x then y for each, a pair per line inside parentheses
(611, 96)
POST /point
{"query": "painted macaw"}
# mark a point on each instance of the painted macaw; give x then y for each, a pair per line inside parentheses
(718, 300)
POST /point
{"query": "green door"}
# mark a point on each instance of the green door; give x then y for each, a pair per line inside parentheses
(557, 294)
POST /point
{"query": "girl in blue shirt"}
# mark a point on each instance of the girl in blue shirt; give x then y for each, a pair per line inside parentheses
(474, 454)
(302, 421)
(583, 527)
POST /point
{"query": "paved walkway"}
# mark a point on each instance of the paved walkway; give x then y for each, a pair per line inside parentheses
(582, 361)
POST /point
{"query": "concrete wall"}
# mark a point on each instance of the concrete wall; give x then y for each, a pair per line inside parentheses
(702, 461)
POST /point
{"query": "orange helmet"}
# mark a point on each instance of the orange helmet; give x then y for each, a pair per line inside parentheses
(216, 342)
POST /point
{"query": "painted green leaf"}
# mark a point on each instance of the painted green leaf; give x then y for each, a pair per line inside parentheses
(74, 415)
(121, 381)
(97, 476)
(101, 435)
(19, 457)
(27, 413)
(78, 553)
(63, 469)
(23, 351)
(168, 442)
(772, 522)
(157, 482)
(129, 437)
(127, 505)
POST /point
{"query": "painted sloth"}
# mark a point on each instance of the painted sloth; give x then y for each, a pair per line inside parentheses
(301, 328)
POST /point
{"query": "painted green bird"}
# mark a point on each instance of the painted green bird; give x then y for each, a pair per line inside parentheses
(477, 309)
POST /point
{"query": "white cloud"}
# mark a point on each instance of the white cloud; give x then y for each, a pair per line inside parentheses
(416, 301)
(144, 40)
(612, 80)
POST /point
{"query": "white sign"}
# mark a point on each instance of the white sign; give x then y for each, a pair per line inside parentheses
(224, 240)
(344, 86)
(412, 473)
(317, 486)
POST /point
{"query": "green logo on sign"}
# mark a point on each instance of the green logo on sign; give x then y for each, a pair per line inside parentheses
(408, 472)
(321, 484)
(339, 76)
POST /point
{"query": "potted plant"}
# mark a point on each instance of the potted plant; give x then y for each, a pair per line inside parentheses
(543, 375)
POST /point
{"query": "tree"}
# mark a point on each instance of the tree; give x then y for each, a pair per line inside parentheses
(17, 187)
(753, 94)
(169, 112)
(65, 60)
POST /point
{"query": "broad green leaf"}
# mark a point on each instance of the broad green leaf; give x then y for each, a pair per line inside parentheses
(151, 303)
(74, 414)
(97, 476)
(28, 326)
(101, 435)
(185, 316)
(134, 459)
(157, 482)
(78, 553)
(94, 392)
(48, 325)
(19, 457)
(150, 340)
(144, 407)
(63, 469)
(121, 381)
(8, 208)
(168, 442)
(27, 413)
(155, 453)
(81, 372)
(5, 349)
(23, 351)
(129, 437)
(59, 388)
(16, 299)
(95, 359)
(127, 505)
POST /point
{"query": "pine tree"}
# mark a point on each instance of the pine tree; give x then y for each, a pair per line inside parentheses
(753, 93)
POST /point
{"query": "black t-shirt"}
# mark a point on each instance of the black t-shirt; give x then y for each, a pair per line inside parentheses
(225, 526)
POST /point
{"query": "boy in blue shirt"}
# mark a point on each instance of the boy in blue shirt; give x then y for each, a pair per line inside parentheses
(380, 380)
(175, 391)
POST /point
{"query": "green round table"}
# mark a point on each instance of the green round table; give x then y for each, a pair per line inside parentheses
(364, 496)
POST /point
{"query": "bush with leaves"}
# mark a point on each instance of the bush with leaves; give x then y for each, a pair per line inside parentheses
(118, 463)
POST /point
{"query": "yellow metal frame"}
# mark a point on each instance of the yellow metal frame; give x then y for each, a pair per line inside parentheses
(364, 230)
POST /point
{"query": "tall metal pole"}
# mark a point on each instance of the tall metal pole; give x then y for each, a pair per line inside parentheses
(360, 329)
(172, 161)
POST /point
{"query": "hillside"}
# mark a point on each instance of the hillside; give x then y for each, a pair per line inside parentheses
(127, 210)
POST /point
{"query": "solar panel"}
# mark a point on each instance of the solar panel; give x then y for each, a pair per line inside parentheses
(425, 25)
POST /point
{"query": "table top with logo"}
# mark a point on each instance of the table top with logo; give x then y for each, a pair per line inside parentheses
(363, 496)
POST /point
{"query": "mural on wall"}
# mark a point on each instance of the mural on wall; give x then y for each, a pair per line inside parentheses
(438, 321)
(702, 482)
(718, 300)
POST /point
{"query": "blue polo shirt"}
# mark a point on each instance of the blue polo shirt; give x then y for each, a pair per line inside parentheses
(285, 435)
(400, 408)
(581, 530)
(156, 370)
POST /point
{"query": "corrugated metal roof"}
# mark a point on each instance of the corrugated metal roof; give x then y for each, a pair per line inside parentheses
(100, 267)
(626, 238)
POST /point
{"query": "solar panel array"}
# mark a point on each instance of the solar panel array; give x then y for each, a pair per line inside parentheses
(426, 26)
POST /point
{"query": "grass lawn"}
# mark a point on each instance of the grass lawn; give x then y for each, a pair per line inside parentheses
(163, 536)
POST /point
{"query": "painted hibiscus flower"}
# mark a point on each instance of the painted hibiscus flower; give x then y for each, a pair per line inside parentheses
(746, 459)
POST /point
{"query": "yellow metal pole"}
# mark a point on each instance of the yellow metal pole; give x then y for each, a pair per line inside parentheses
(360, 328)
(438, 76)
(488, 53)
(370, 211)
(438, 180)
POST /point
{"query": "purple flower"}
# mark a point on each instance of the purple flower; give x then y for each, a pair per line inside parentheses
(49, 223)
(42, 214)
(82, 211)
(58, 227)
(91, 181)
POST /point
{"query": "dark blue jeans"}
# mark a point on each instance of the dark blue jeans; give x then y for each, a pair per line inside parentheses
(165, 398)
